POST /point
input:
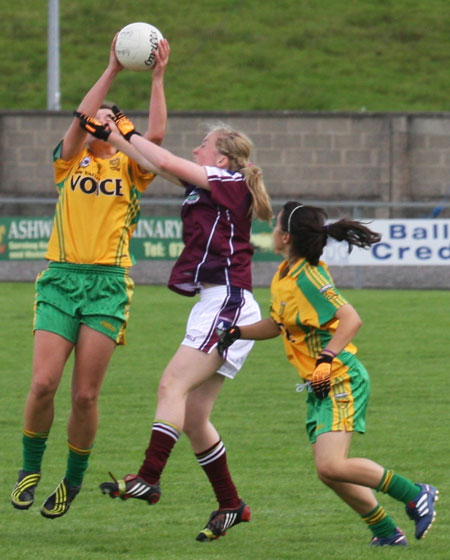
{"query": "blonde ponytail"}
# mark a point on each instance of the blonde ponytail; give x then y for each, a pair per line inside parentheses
(237, 147)
(261, 206)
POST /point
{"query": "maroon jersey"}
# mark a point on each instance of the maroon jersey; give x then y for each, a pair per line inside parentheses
(216, 235)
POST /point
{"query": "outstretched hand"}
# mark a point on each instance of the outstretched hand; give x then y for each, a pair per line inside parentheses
(124, 124)
(226, 339)
(162, 53)
(93, 126)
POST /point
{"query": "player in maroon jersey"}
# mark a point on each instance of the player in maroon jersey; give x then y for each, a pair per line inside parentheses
(223, 192)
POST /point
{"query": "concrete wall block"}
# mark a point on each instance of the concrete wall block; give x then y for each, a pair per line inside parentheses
(274, 125)
(265, 157)
(358, 157)
(439, 142)
(375, 141)
(427, 158)
(333, 126)
(418, 141)
(367, 124)
(281, 141)
(263, 140)
(329, 157)
(299, 157)
(298, 125)
(430, 175)
(348, 141)
(366, 174)
(322, 141)
(247, 125)
(429, 191)
(20, 139)
(314, 173)
(431, 126)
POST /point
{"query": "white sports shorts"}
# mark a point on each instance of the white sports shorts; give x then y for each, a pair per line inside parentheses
(221, 307)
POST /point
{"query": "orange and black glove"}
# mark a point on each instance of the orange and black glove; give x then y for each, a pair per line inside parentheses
(226, 339)
(93, 126)
(321, 377)
(123, 123)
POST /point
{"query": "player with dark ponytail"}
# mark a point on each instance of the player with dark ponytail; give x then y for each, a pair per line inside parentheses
(318, 325)
(309, 232)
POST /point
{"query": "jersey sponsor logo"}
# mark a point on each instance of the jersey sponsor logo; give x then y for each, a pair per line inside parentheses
(329, 291)
(89, 185)
(114, 164)
(192, 197)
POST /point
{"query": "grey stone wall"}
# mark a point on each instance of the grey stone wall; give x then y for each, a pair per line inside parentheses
(386, 164)
(377, 157)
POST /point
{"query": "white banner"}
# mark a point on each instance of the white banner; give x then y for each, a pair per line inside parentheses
(404, 242)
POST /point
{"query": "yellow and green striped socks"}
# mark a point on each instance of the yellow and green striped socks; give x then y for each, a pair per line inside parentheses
(379, 522)
(398, 487)
(77, 463)
(33, 447)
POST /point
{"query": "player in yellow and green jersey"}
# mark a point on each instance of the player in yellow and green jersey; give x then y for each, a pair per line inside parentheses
(318, 324)
(83, 297)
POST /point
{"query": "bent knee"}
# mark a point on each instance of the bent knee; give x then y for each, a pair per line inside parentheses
(329, 472)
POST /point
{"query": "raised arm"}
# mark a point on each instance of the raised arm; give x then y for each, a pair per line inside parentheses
(170, 165)
(157, 115)
(75, 136)
(119, 142)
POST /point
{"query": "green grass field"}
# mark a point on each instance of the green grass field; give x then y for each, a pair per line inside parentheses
(402, 342)
(326, 55)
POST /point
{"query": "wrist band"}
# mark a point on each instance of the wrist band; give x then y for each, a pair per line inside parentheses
(327, 351)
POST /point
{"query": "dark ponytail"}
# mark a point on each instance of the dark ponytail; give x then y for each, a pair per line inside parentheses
(309, 232)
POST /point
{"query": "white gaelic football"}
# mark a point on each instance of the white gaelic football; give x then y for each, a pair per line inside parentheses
(136, 44)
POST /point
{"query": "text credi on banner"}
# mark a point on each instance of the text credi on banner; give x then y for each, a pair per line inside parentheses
(403, 243)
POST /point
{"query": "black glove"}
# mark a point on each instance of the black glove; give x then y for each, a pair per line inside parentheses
(226, 339)
(125, 126)
(93, 126)
(321, 377)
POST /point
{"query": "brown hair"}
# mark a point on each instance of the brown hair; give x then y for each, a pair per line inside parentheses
(309, 231)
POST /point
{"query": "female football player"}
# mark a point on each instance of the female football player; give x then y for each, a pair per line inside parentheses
(223, 190)
(82, 299)
(318, 324)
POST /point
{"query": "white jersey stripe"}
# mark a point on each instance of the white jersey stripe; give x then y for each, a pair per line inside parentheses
(211, 235)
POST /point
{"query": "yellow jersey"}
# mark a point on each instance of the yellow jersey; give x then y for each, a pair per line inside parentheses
(97, 209)
(304, 301)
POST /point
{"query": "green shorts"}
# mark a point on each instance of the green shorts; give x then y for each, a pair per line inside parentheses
(346, 405)
(69, 295)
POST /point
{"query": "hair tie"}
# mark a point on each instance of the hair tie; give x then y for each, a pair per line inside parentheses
(325, 229)
(290, 216)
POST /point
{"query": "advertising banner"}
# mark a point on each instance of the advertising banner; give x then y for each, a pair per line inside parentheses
(404, 242)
